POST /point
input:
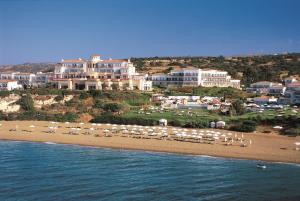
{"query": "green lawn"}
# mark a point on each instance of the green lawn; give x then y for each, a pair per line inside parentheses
(185, 115)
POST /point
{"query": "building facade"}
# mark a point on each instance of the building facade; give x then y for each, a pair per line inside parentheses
(8, 85)
(95, 73)
(292, 94)
(266, 87)
(193, 77)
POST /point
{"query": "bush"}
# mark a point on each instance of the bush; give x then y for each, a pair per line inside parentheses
(59, 98)
(112, 107)
(109, 118)
(176, 123)
(244, 126)
(96, 93)
(26, 102)
(84, 95)
(197, 124)
(43, 116)
(237, 107)
(291, 131)
(4, 93)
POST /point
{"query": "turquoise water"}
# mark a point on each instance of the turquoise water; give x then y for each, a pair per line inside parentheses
(40, 171)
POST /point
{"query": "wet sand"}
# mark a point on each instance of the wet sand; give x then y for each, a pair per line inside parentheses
(266, 147)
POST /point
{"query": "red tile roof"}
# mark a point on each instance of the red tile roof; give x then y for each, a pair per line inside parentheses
(294, 84)
(6, 81)
(73, 61)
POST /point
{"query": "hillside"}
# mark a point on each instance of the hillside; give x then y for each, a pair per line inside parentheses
(28, 67)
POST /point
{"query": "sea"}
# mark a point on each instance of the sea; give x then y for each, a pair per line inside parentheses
(49, 171)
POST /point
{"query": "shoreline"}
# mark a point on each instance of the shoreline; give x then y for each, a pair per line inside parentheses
(152, 151)
(265, 147)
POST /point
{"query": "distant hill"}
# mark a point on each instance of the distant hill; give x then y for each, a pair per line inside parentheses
(29, 67)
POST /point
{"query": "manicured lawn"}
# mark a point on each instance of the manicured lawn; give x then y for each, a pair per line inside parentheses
(185, 115)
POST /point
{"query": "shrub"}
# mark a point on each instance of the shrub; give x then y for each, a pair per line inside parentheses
(112, 107)
(84, 95)
(237, 107)
(4, 93)
(96, 93)
(244, 126)
(291, 131)
(59, 98)
(176, 123)
(26, 102)
(197, 124)
(109, 118)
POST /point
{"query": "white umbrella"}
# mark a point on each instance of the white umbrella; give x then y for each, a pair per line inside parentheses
(297, 143)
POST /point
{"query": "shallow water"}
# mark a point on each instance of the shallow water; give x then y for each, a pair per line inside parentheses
(46, 171)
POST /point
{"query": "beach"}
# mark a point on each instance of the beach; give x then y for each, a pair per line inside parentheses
(266, 147)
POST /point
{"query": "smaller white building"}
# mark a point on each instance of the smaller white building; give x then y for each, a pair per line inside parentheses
(8, 85)
(163, 122)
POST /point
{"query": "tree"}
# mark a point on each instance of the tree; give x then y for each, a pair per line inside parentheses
(244, 126)
(237, 107)
(26, 102)
(112, 107)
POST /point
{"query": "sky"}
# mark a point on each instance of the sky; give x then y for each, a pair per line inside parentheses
(49, 30)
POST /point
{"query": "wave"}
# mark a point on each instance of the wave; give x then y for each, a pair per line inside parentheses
(50, 143)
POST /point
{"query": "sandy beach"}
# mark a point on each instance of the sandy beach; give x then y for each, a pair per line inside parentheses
(266, 147)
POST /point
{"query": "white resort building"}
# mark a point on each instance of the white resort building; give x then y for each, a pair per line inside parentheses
(80, 74)
(27, 79)
(8, 85)
(192, 77)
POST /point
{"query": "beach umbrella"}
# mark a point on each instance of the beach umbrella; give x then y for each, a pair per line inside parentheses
(31, 127)
(297, 143)
(91, 130)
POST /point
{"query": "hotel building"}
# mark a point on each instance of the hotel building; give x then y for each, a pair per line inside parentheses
(193, 77)
(95, 73)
